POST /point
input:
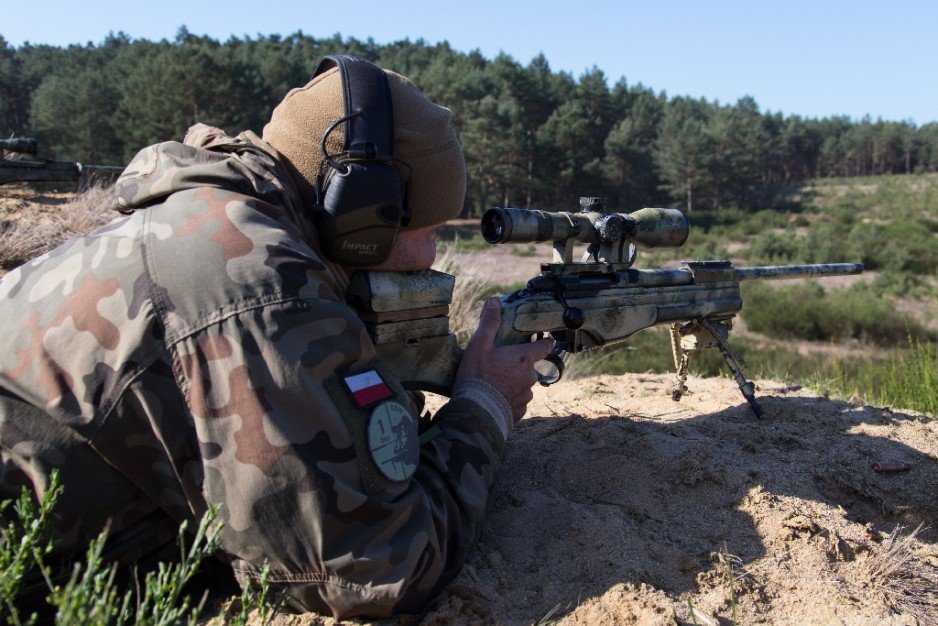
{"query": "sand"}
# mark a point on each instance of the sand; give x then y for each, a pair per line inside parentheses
(616, 505)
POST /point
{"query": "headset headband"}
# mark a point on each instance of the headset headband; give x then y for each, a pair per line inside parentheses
(369, 134)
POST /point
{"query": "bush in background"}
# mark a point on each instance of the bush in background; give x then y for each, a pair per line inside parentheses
(805, 311)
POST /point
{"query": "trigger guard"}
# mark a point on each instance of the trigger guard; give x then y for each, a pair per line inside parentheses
(554, 359)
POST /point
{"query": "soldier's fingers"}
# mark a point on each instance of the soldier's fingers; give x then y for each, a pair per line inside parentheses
(542, 347)
(535, 351)
(527, 353)
(489, 321)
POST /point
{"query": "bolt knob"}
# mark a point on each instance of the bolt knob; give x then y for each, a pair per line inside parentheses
(573, 318)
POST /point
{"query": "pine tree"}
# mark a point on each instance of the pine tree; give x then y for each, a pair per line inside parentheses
(683, 150)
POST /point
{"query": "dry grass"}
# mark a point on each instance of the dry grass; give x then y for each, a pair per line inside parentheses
(468, 295)
(908, 584)
(45, 227)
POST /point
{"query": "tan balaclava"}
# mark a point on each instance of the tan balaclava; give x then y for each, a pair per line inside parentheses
(423, 139)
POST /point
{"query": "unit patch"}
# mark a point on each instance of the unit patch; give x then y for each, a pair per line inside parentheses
(393, 441)
(367, 388)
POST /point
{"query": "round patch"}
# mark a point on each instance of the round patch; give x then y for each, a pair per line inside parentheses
(392, 441)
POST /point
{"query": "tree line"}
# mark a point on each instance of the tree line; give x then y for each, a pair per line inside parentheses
(532, 136)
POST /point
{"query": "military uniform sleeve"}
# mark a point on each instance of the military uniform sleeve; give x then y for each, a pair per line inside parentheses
(312, 450)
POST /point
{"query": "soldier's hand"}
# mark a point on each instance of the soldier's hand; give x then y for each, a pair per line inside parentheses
(510, 369)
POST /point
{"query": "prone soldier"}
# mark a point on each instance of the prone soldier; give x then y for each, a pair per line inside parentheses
(200, 350)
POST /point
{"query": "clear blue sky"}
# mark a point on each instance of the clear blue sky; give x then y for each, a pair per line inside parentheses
(812, 58)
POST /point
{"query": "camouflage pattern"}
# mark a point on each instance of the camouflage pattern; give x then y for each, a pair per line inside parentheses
(190, 352)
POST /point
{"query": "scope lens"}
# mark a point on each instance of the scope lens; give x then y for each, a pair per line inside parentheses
(494, 228)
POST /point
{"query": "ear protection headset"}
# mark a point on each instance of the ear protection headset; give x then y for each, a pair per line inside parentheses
(361, 201)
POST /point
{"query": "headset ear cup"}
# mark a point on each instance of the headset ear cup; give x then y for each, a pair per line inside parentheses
(361, 200)
(363, 210)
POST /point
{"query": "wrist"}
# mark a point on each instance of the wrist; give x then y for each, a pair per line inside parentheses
(490, 399)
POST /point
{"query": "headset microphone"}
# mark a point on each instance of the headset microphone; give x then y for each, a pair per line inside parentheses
(361, 200)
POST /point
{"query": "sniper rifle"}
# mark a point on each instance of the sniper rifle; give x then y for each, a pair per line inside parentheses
(595, 302)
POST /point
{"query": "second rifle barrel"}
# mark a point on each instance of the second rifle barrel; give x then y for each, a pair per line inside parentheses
(793, 271)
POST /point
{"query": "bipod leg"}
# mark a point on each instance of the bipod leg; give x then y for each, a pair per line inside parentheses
(745, 386)
(681, 364)
(732, 359)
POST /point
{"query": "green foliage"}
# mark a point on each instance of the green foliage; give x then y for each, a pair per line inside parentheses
(807, 311)
(740, 152)
(774, 248)
(463, 244)
(628, 167)
(259, 600)
(91, 595)
(25, 541)
(904, 379)
(83, 96)
(682, 151)
(646, 351)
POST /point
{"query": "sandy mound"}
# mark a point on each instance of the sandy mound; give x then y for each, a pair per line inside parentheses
(618, 506)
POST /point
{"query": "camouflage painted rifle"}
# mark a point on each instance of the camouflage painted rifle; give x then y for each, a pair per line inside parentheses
(17, 168)
(597, 301)
(20, 145)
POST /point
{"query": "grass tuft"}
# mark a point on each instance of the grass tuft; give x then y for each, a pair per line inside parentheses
(904, 379)
(468, 295)
(23, 240)
(909, 585)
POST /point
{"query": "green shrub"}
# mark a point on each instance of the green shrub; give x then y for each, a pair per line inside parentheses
(774, 248)
(463, 244)
(826, 243)
(788, 313)
(806, 311)
(91, 596)
(25, 541)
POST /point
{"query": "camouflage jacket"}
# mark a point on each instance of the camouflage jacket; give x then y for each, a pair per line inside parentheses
(199, 350)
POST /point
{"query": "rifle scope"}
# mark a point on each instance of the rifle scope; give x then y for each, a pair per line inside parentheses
(650, 228)
(23, 145)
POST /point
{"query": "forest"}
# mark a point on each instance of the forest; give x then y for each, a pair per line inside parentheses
(533, 137)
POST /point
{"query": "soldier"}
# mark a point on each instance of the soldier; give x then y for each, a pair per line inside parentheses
(199, 350)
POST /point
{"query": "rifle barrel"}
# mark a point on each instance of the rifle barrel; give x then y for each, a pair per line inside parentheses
(768, 272)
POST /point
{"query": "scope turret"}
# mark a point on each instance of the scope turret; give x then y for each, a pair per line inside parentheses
(23, 145)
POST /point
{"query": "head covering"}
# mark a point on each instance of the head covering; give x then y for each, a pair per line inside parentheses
(423, 139)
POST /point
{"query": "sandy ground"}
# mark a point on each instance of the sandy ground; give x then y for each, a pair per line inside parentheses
(616, 505)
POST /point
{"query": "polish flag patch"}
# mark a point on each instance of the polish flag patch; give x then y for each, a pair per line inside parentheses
(367, 388)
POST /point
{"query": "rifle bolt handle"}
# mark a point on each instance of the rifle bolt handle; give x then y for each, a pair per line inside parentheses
(573, 318)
